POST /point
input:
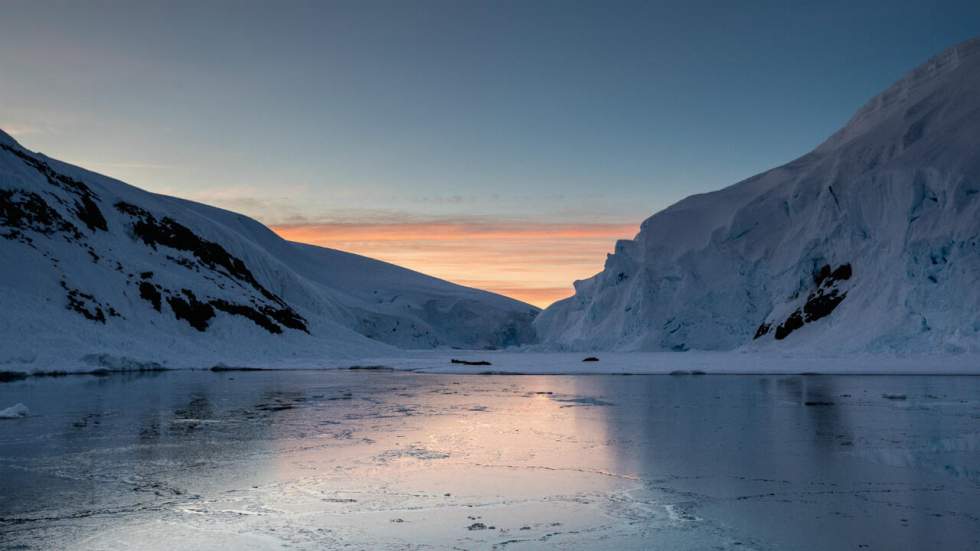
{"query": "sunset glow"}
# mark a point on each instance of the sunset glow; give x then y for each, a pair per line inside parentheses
(532, 262)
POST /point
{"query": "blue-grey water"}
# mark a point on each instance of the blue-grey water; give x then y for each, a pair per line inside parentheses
(382, 460)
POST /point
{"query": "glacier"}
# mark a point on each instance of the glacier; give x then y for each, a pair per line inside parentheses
(869, 243)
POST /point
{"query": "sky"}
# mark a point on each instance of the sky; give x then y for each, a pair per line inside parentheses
(505, 145)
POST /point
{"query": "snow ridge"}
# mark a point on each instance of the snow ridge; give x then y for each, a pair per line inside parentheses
(97, 274)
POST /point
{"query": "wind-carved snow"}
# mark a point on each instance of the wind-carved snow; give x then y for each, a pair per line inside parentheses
(99, 274)
(893, 196)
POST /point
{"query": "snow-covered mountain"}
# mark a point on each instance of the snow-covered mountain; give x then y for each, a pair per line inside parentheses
(871, 242)
(94, 271)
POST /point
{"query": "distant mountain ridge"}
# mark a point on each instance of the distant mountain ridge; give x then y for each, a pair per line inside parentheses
(869, 243)
(94, 271)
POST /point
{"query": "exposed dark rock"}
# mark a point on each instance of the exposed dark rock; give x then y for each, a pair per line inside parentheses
(197, 314)
(792, 323)
(819, 303)
(467, 362)
(170, 233)
(762, 330)
(590, 359)
(149, 292)
(85, 206)
(843, 272)
(84, 303)
(259, 318)
(817, 403)
(288, 318)
(10, 376)
(88, 212)
(185, 262)
(28, 211)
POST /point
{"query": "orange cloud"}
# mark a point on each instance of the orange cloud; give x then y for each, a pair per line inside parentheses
(531, 261)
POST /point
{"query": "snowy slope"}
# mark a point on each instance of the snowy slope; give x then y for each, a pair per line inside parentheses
(96, 272)
(871, 242)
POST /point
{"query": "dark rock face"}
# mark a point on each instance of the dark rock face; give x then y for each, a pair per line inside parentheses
(170, 233)
(287, 317)
(87, 305)
(820, 303)
(197, 314)
(149, 293)
(209, 255)
(792, 323)
(260, 318)
(85, 206)
(22, 210)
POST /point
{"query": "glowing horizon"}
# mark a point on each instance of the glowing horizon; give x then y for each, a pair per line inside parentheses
(535, 262)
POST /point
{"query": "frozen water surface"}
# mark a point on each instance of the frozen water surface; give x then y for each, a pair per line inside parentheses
(390, 460)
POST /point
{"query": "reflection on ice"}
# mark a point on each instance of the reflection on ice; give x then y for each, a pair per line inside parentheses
(392, 460)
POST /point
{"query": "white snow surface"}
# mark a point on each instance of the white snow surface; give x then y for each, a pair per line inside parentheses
(15, 411)
(888, 204)
(82, 256)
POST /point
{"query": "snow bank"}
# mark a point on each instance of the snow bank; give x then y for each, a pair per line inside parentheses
(15, 412)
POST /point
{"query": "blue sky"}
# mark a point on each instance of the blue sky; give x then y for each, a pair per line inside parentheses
(469, 112)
